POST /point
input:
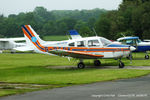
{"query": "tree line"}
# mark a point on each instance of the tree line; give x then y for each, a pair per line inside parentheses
(131, 19)
(44, 22)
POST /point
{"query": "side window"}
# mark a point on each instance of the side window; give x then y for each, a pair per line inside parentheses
(93, 43)
(129, 42)
(80, 43)
(123, 41)
(138, 41)
(72, 44)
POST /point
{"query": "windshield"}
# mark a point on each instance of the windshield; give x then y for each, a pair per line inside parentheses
(105, 42)
(139, 41)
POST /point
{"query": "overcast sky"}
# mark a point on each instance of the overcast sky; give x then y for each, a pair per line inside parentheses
(16, 6)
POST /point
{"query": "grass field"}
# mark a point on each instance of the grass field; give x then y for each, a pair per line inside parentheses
(32, 69)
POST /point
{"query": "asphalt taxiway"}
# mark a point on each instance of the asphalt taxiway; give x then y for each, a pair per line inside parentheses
(125, 89)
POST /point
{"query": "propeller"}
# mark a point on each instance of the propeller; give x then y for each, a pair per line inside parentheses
(130, 55)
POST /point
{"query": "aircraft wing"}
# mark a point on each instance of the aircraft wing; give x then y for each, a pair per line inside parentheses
(75, 54)
(23, 48)
(12, 39)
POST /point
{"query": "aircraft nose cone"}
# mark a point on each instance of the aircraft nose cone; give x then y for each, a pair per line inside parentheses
(132, 48)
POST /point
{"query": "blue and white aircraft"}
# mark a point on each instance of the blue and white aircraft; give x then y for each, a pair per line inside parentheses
(140, 46)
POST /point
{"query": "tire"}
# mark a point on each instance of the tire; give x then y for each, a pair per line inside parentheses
(81, 65)
(128, 57)
(97, 63)
(146, 56)
(121, 65)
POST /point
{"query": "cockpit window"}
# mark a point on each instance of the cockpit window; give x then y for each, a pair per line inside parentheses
(72, 44)
(80, 43)
(138, 41)
(105, 42)
(93, 43)
(122, 41)
(132, 42)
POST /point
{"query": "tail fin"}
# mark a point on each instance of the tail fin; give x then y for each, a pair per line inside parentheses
(32, 38)
(74, 34)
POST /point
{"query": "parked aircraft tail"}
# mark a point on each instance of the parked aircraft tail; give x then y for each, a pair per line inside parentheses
(32, 39)
(74, 34)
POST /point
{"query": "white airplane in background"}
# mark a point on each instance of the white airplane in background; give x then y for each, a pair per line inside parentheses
(10, 43)
(82, 48)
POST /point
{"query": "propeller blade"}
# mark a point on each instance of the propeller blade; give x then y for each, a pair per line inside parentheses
(130, 57)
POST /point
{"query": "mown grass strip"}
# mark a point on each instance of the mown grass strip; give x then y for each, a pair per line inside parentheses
(32, 69)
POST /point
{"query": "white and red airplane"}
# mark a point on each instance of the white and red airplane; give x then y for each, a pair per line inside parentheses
(81, 48)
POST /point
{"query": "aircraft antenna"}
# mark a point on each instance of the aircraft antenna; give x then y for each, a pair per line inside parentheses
(123, 35)
(94, 31)
(68, 36)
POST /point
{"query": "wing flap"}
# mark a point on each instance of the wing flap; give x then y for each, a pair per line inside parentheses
(75, 54)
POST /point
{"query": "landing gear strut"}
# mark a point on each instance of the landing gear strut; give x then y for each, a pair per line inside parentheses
(146, 56)
(121, 64)
(130, 56)
(97, 63)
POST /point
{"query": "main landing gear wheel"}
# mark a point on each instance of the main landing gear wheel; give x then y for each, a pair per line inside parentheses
(97, 63)
(81, 65)
(146, 56)
(121, 64)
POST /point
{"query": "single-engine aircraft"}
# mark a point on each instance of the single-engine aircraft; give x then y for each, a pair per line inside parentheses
(140, 46)
(82, 48)
(10, 43)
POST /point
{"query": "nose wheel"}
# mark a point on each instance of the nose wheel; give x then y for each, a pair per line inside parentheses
(146, 56)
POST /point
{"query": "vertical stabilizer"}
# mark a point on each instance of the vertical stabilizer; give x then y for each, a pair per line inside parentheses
(32, 39)
(74, 34)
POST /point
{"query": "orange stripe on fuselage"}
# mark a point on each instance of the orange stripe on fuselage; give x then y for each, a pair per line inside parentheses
(33, 35)
(86, 49)
(28, 28)
(29, 37)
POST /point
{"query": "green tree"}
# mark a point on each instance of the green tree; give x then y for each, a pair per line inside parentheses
(85, 31)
